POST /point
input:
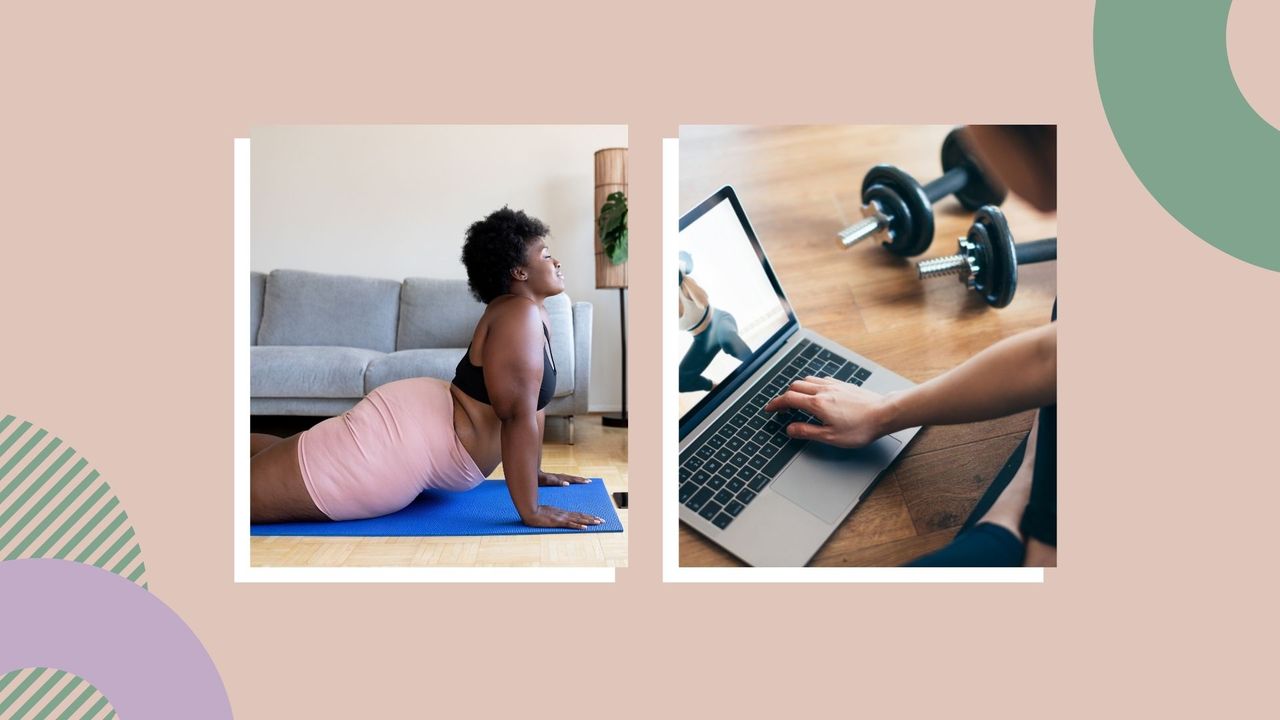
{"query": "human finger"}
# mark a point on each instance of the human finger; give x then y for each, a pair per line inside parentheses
(569, 520)
(586, 519)
(824, 380)
(808, 386)
(562, 518)
(805, 431)
(789, 401)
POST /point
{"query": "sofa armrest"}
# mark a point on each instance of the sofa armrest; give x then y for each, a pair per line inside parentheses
(582, 315)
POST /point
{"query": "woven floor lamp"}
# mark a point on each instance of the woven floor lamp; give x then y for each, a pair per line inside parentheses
(611, 177)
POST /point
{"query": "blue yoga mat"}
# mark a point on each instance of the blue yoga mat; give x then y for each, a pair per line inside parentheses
(485, 510)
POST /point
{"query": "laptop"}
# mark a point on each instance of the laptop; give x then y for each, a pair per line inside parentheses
(744, 483)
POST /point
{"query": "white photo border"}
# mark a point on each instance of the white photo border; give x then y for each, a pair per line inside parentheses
(671, 570)
(244, 572)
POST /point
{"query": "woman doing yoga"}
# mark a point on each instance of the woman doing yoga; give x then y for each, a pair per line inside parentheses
(422, 433)
(713, 330)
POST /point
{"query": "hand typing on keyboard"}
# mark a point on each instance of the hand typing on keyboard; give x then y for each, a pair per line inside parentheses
(851, 417)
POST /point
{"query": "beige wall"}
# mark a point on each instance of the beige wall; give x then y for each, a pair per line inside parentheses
(394, 201)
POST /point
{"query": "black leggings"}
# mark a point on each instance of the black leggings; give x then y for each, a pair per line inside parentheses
(1040, 519)
(983, 545)
(722, 334)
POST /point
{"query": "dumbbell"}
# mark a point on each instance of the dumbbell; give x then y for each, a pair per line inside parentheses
(898, 208)
(988, 259)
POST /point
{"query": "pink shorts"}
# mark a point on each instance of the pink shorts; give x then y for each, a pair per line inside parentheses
(375, 458)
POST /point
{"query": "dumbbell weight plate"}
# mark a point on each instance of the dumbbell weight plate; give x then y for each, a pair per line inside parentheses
(999, 280)
(903, 199)
(977, 192)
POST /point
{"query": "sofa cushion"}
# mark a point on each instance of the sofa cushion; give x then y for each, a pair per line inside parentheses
(257, 286)
(319, 309)
(429, 362)
(313, 407)
(296, 371)
(436, 314)
(560, 310)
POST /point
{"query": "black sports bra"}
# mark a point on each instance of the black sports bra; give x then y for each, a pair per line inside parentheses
(470, 379)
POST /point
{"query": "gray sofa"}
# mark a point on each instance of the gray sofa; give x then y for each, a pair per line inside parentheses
(320, 342)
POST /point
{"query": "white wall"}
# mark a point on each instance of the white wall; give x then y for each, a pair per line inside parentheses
(394, 201)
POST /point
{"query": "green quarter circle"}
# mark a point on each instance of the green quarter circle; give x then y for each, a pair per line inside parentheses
(1183, 125)
(54, 505)
(42, 692)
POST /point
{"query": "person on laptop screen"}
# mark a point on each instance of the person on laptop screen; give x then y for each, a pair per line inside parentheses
(713, 330)
(717, 266)
(1016, 374)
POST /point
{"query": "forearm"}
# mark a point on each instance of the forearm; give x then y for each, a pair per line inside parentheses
(521, 449)
(542, 433)
(1016, 374)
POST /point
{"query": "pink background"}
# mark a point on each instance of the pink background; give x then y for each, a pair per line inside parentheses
(116, 190)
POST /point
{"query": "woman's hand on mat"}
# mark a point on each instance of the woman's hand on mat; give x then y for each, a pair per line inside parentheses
(851, 417)
(547, 479)
(550, 517)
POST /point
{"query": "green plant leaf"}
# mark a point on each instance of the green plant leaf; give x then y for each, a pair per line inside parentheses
(618, 252)
(612, 226)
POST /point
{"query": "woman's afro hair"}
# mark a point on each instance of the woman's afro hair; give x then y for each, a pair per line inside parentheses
(494, 247)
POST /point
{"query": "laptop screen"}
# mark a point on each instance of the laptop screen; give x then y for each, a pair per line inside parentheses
(730, 304)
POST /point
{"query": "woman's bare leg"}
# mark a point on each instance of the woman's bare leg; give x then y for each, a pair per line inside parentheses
(1040, 555)
(261, 441)
(1007, 510)
(277, 492)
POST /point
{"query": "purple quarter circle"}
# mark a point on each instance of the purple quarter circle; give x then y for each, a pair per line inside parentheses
(139, 654)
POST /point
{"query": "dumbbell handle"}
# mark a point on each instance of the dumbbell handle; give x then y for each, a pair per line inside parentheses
(963, 264)
(1036, 251)
(875, 221)
(951, 181)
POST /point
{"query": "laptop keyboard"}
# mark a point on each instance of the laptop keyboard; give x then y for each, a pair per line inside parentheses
(728, 465)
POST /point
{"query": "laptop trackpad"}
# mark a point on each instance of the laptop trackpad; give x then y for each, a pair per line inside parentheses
(825, 480)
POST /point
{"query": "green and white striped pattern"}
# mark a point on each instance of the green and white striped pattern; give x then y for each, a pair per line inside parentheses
(40, 693)
(53, 505)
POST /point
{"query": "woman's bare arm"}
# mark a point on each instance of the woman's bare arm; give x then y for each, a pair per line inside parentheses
(695, 291)
(513, 374)
(1018, 373)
